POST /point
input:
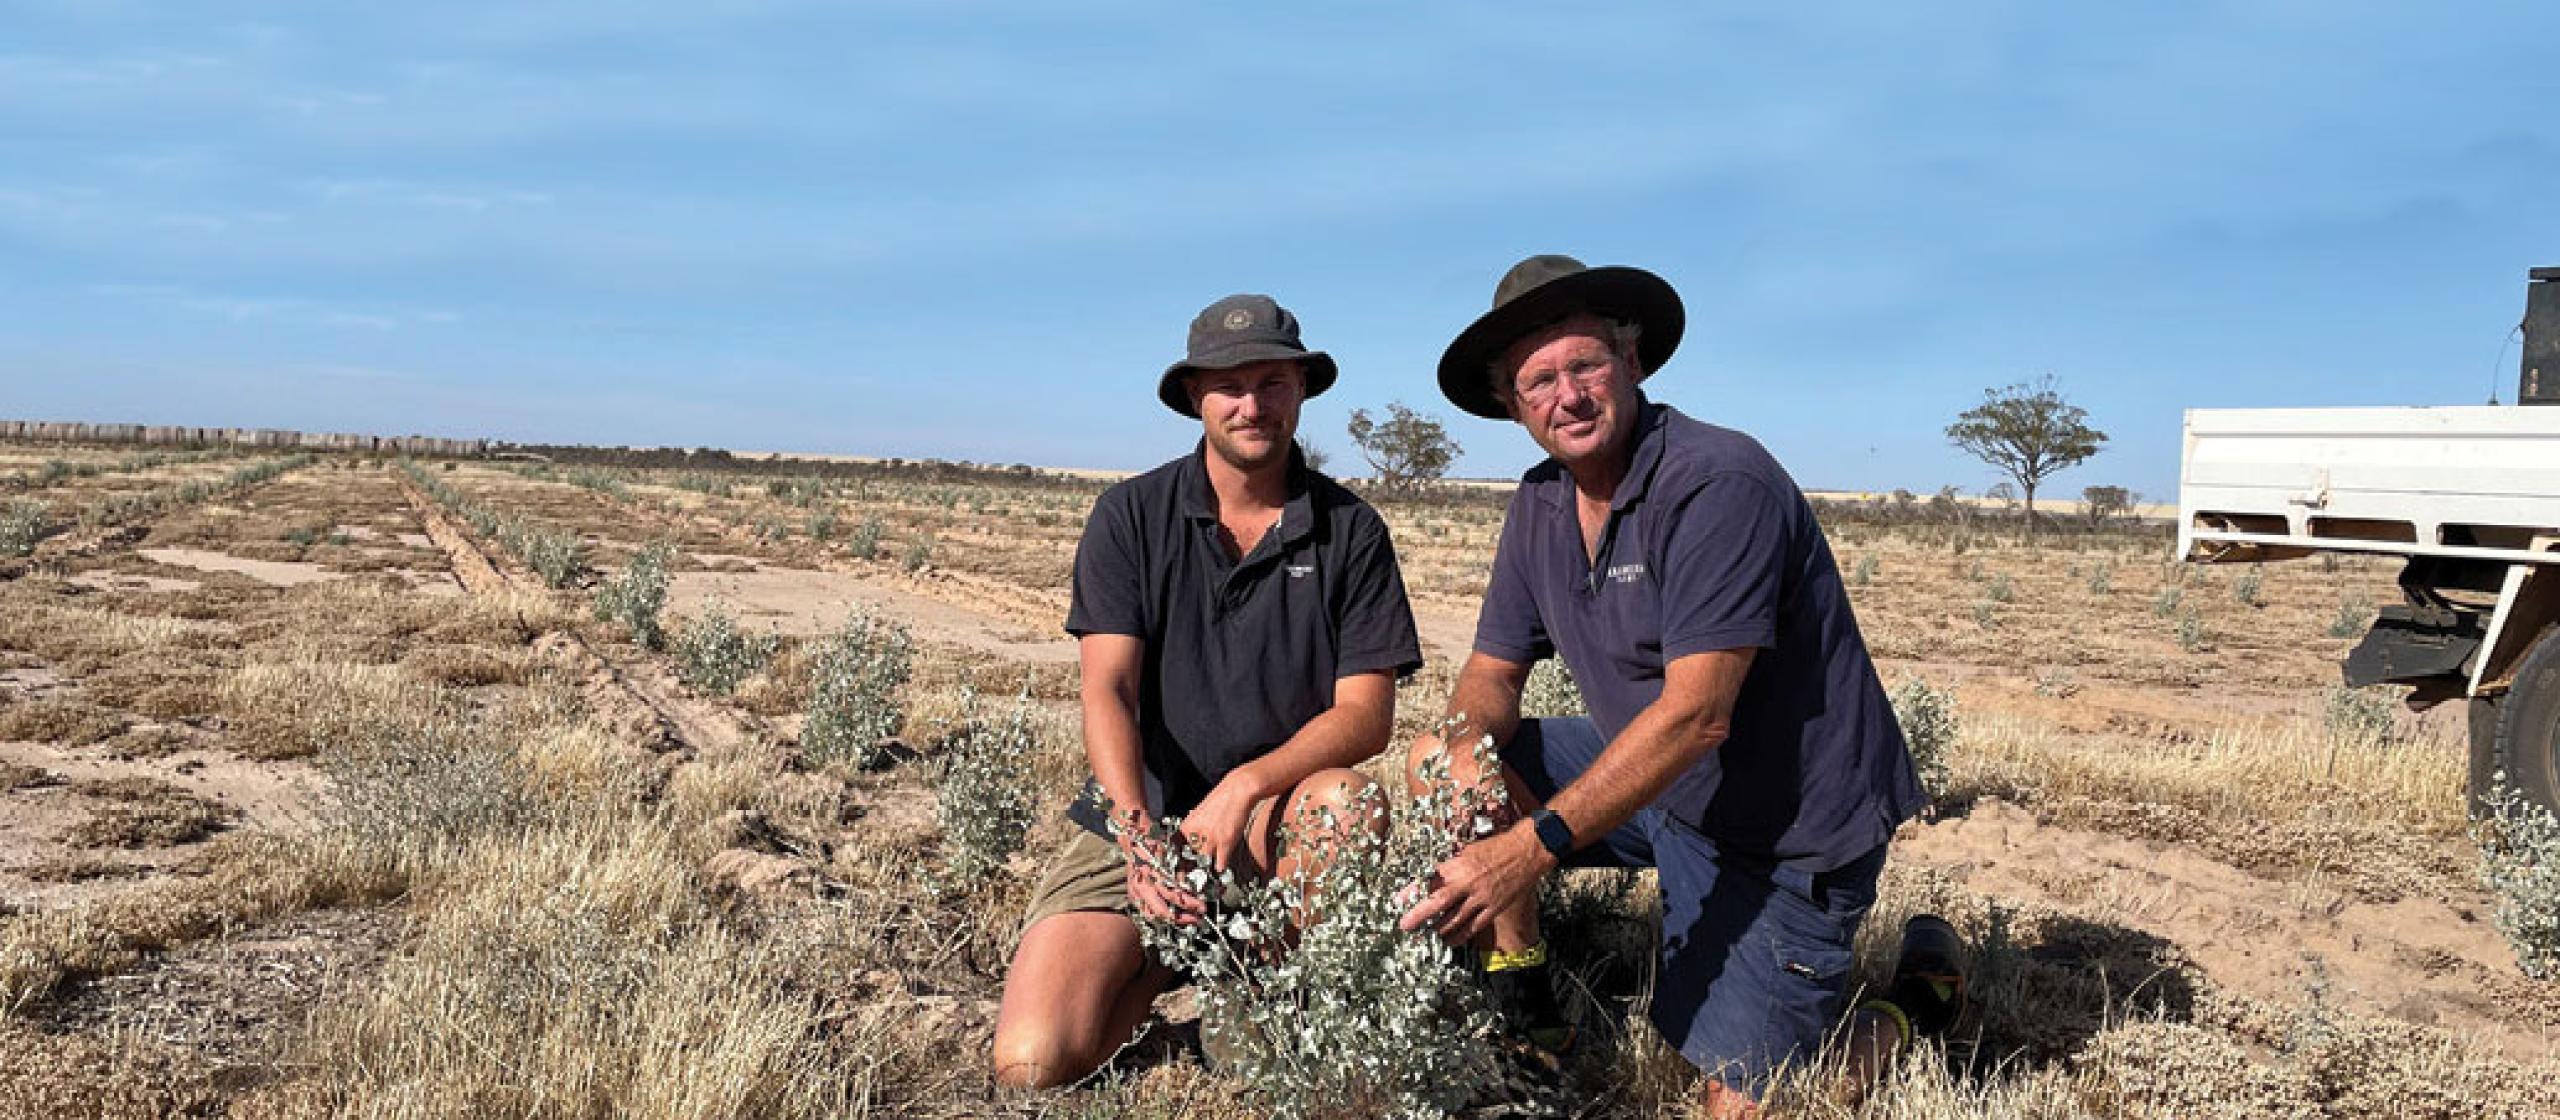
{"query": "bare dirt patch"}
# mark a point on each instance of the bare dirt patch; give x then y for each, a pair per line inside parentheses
(274, 573)
(798, 602)
(2269, 939)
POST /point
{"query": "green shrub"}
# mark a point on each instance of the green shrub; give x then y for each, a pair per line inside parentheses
(2247, 589)
(1865, 572)
(636, 595)
(22, 524)
(853, 700)
(1344, 1014)
(1928, 719)
(2355, 612)
(985, 794)
(2358, 717)
(2166, 602)
(2191, 632)
(919, 552)
(713, 655)
(864, 544)
(2520, 864)
(1551, 691)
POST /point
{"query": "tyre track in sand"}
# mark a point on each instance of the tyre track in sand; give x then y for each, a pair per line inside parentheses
(637, 692)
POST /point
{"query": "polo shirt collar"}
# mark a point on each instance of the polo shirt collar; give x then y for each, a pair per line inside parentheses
(1651, 419)
(1200, 502)
(1650, 425)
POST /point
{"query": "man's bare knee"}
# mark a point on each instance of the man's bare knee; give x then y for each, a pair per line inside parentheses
(1340, 800)
(1033, 1059)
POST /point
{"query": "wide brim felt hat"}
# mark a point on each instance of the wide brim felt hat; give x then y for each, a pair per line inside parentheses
(1543, 290)
(1239, 330)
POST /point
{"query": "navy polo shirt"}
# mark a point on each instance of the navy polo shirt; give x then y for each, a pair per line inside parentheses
(1240, 654)
(1710, 546)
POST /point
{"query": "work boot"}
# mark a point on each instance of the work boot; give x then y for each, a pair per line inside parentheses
(1523, 996)
(1927, 995)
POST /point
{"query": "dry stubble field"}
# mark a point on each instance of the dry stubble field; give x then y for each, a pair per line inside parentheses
(315, 799)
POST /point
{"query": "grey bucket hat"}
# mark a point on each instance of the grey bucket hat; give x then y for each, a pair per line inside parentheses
(1547, 288)
(1237, 330)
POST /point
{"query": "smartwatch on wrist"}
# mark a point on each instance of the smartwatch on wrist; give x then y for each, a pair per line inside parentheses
(1553, 834)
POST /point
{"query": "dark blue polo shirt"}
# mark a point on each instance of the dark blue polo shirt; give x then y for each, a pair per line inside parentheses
(1239, 654)
(1710, 546)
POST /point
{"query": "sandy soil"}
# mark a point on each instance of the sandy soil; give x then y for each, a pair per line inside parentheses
(803, 603)
(2416, 960)
(269, 795)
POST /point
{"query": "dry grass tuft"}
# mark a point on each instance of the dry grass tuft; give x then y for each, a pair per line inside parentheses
(74, 723)
(18, 775)
(469, 666)
(145, 813)
(124, 1076)
(303, 703)
(247, 877)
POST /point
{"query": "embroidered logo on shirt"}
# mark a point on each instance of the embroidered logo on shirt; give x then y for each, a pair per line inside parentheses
(1299, 571)
(1625, 573)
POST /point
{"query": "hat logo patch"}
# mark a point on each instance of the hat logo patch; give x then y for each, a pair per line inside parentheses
(1239, 319)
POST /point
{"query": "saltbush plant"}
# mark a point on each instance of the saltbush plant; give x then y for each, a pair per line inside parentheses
(22, 524)
(854, 703)
(1343, 1014)
(636, 595)
(985, 795)
(2355, 612)
(713, 655)
(2358, 717)
(1551, 691)
(1928, 718)
(864, 544)
(2520, 864)
(2248, 588)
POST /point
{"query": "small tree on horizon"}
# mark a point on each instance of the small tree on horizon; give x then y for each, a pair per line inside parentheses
(2028, 432)
(2104, 504)
(1408, 451)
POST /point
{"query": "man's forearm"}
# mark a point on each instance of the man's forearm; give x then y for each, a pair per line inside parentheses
(1485, 701)
(1643, 761)
(1692, 716)
(1111, 748)
(1344, 735)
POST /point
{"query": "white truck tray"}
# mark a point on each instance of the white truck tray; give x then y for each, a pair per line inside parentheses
(2268, 483)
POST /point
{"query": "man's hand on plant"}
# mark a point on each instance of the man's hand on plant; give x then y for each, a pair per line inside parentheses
(1216, 827)
(1154, 896)
(1468, 889)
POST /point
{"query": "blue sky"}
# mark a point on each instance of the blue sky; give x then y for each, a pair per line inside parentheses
(978, 230)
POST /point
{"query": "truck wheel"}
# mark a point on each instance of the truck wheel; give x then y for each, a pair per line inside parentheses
(2525, 743)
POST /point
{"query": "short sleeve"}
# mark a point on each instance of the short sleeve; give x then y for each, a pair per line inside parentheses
(1375, 623)
(1108, 595)
(1724, 565)
(1509, 626)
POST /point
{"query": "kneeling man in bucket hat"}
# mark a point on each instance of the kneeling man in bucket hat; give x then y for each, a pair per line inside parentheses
(1739, 740)
(1241, 625)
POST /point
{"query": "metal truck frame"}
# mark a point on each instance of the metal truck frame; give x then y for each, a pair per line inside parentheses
(2470, 497)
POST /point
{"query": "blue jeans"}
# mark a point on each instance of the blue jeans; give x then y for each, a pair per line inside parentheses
(1755, 955)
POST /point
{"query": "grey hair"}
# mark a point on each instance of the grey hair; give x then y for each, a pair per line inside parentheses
(1623, 336)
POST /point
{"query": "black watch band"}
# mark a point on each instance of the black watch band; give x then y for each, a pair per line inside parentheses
(1553, 834)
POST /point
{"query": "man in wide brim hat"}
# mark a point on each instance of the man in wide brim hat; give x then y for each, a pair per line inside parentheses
(1240, 330)
(1240, 626)
(1547, 288)
(1738, 739)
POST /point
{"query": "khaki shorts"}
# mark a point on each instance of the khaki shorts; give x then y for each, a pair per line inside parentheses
(1088, 873)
